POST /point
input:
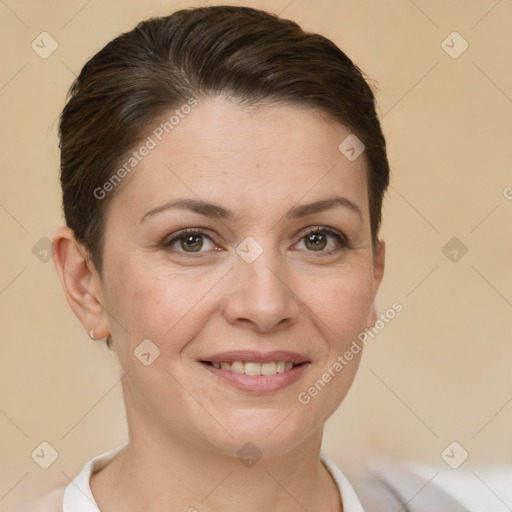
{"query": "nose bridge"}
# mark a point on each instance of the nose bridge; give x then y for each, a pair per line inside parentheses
(261, 293)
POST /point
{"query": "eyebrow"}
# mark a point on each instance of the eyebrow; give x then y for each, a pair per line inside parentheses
(216, 211)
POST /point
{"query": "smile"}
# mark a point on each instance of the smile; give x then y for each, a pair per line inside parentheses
(255, 368)
(254, 371)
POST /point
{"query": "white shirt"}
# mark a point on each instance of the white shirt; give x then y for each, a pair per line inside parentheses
(78, 496)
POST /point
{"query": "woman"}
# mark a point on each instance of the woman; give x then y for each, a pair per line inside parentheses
(223, 174)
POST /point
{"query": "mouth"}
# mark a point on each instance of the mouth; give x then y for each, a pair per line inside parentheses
(255, 368)
(256, 372)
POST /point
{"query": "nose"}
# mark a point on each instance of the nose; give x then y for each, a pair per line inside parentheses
(261, 295)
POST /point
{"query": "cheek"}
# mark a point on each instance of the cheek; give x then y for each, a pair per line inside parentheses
(341, 304)
(340, 310)
(158, 303)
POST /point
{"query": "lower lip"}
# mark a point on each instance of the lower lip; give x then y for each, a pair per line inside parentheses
(258, 383)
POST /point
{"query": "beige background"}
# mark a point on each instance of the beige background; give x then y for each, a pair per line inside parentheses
(439, 372)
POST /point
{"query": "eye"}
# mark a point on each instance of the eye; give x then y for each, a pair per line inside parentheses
(190, 240)
(317, 239)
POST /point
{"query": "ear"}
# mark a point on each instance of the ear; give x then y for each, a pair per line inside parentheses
(80, 281)
(379, 258)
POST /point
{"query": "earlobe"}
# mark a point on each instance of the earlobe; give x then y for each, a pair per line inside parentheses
(80, 282)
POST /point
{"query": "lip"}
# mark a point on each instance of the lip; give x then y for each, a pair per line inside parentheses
(257, 383)
(256, 357)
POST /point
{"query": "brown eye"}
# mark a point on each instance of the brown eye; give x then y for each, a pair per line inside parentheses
(189, 241)
(318, 239)
(194, 242)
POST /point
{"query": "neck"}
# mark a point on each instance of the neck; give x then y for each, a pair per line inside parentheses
(164, 471)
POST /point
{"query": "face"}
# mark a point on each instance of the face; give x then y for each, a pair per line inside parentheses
(259, 266)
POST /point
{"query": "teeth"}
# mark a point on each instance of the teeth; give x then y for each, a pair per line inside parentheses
(237, 367)
(251, 368)
(268, 368)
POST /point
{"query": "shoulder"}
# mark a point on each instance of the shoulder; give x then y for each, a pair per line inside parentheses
(392, 484)
(48, 501)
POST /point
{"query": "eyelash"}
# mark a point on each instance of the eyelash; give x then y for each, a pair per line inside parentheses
(340, 237)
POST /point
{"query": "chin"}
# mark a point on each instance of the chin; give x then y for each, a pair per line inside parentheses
(273, 432)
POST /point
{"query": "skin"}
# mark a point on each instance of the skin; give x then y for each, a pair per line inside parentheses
(186, 426)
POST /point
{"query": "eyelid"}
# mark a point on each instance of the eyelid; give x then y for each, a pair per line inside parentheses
(182, 232)
(339, 235)
(324, 229)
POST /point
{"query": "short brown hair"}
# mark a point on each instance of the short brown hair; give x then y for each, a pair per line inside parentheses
(248, 55)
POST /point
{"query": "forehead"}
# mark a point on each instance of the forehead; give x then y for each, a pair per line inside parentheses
(225, 130)
(248, 158)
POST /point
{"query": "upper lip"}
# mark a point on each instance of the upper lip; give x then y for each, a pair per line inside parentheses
(256, 357)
